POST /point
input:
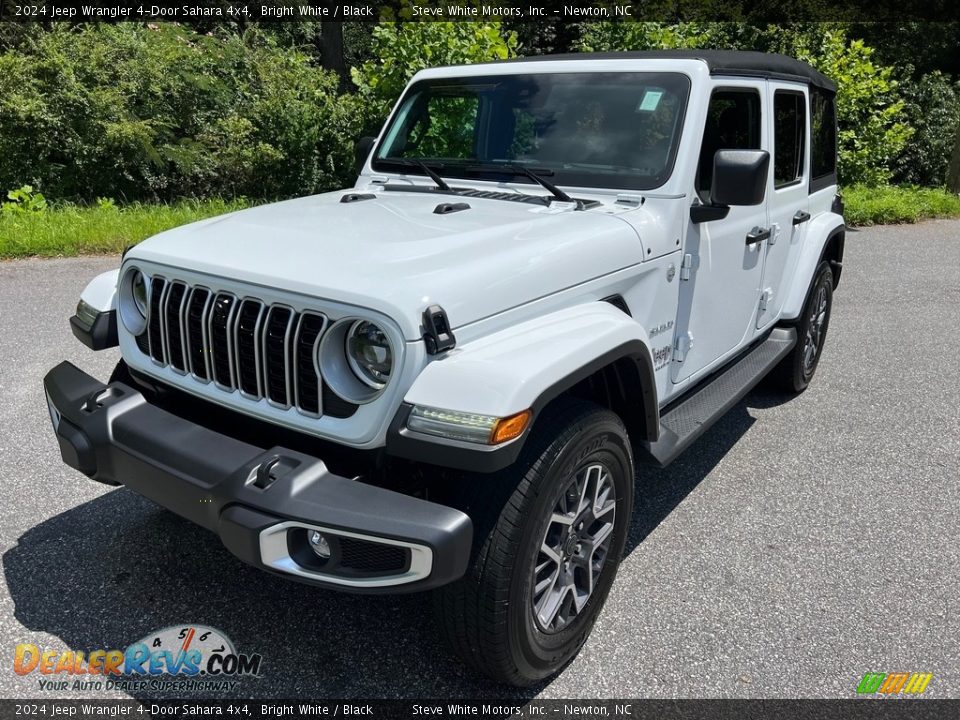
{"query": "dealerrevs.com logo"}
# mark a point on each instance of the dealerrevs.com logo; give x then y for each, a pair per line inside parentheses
(184, 657)
(886, 684)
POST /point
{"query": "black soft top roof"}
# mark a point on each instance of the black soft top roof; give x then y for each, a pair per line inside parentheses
(721, 62)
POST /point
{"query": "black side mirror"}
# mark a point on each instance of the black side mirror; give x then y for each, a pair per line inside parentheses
(360, 152)
(739, 177)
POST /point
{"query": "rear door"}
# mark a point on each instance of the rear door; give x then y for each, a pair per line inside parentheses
(787, 193)
(721, 272)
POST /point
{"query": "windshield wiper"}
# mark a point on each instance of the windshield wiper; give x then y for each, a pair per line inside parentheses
(522, 170)
(410, 162)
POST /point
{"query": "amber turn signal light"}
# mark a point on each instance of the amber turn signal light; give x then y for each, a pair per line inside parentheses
(511, 427)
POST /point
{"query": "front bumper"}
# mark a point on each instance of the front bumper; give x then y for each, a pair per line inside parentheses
(262, 503)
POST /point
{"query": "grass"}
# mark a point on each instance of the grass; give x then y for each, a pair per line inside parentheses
(65, 230)
(897, 204)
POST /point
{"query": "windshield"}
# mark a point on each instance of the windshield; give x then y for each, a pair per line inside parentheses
(610, 130)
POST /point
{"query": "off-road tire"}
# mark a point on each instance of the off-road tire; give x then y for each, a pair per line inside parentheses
(488, 616)
(794, 373)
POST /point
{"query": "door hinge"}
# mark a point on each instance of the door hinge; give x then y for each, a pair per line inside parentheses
(685, 266)
(681, 346)
(765, 297)
(774, 234)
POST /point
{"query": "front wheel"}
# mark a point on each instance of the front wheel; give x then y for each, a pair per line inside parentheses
(548, 547)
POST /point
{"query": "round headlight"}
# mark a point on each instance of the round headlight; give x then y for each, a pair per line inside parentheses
(369, 353)
(134, 303)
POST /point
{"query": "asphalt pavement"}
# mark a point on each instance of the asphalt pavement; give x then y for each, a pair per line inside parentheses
(799, 544)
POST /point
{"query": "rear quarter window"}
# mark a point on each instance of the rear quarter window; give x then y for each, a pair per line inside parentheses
(823, 127)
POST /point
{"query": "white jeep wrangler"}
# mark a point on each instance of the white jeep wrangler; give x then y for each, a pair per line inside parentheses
(548, 272)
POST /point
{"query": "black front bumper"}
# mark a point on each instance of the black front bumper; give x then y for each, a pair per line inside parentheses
(260, 502)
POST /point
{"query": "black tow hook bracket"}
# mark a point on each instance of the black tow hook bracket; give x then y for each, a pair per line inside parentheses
(436, 331)
(272, 469)
(99, 398)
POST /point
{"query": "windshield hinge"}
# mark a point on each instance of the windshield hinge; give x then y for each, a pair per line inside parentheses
(686, 266)
(633, 201)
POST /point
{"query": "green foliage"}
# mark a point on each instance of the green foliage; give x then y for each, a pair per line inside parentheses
(22, 201)
(162, 111)
(405, 48)
(869, 114)
(650, 36)
(932, 109)
(892, 204)
(102, 228)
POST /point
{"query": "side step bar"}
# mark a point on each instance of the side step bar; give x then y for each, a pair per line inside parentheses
(683, 423)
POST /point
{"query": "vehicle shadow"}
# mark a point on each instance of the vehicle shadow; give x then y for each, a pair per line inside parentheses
(659, 490)
(110, 571)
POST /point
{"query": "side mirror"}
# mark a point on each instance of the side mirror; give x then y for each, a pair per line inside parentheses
(361, 151)
(739, 177)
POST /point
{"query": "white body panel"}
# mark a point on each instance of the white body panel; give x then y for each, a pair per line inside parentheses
(101, 292)
(505, 372)
(797, 283)
(395, 256)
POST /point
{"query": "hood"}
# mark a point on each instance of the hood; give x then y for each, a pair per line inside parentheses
(395, 255)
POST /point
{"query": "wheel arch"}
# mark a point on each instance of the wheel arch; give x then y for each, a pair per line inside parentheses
(833, 253)
(592, 351)
(620, 380)
(831, 228)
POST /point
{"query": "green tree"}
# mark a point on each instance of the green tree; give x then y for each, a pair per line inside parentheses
(161, 111)
(869, 113)
(403, 49)
(932, 109)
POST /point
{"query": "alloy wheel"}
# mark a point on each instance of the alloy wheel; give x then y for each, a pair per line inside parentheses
(574, 548)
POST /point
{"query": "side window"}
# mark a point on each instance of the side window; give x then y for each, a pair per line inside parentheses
(823, 126)
(442, 127)
(789, 135)
(733, 123)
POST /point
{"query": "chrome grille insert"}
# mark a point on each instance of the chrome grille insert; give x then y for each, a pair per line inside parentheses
(246, 346)
(198, 341)
(306, 379)
(155, 329)
(221, 340)
(261, 350)
(173, 306)
(276, 355)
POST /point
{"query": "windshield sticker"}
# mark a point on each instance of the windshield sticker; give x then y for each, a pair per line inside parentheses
(650, 101)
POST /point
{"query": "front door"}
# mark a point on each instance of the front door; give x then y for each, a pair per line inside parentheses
(721, 271)
(787, 194)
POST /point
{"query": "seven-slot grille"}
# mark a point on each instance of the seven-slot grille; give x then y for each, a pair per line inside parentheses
(261, 350)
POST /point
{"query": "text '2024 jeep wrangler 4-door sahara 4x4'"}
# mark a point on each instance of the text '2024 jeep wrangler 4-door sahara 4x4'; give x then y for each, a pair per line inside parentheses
(549, 270)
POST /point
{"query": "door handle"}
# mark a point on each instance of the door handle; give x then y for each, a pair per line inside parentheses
(758, 235)
(801, 217)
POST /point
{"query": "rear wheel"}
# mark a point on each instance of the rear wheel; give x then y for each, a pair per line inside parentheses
(548, 546)
(796, 370)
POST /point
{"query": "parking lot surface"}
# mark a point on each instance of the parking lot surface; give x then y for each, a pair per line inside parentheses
(799, 544)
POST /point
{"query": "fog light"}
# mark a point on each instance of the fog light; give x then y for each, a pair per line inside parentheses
(319, 544)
